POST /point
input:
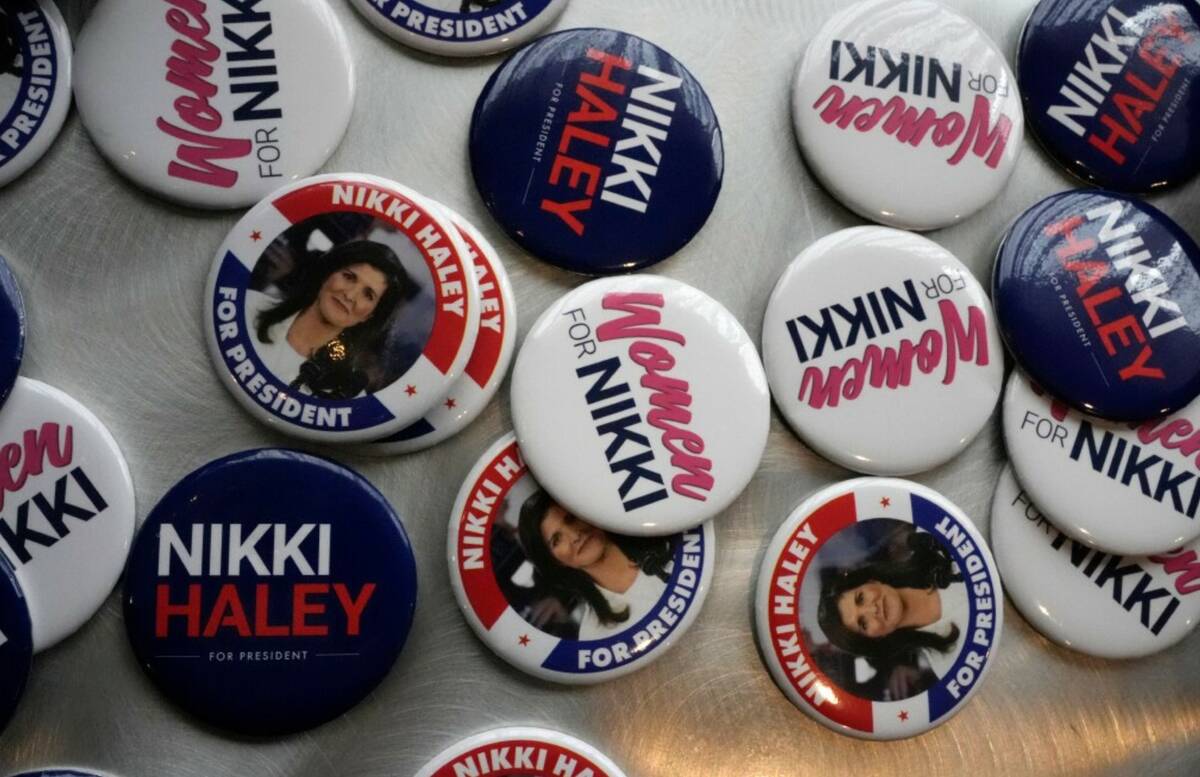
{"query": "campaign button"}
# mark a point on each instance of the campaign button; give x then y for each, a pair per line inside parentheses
(461, 28)
(558, 597)
(342, 308)
(16, 644)
(35, 82)
(60, 773)
(12, 330)
(1105, 605)
(524, 751)
(1098, 297)
(907, 113)
(213, 104)
(66, 508)
(881, 350)
(1125, 488)
(270, 591)
(597, 151)
(494, 346)
(640, 404)
(1112, 89)
(878, 608)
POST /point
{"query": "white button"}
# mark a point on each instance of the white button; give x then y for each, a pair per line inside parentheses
(461, 28)
(524, 751)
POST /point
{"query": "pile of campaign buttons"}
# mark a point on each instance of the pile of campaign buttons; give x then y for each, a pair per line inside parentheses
(270, 591)
(907, 113)
(461, 28)
(878, 608)
(35, 82)
(597, 151)
(881, 350)
(524, 751)
(1110, 89)
(348, 308)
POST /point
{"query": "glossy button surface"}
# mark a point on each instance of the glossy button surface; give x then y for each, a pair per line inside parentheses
(461, 28)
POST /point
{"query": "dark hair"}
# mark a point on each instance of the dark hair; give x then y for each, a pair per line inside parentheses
(335, 370)
(926, 566)
(10, 47)
(651, 554)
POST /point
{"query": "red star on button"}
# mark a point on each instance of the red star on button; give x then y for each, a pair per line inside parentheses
(524, 640)
(903, 715)
(451, 404)
(886, 503)
(411, 390)
(256, 236)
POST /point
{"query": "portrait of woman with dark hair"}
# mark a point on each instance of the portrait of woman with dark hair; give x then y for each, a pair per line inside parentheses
(613, 579)
(331, 319)
(912, 603)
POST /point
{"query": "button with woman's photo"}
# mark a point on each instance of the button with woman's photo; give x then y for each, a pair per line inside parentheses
(878, 608)
(640, 404)
(493, 352)
(16, 644)
(521, 750)
(1130, 489)
(35, 82)
(12, 330)
(342, 308)
(461, 28)
(1085, 599)
(558, 597)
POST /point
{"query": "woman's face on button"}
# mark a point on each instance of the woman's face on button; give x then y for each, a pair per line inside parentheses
(873, 609)
(348, 297)
(573, 542)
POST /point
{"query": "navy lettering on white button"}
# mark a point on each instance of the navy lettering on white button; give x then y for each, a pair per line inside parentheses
(1098, 298)
(461, 27)
(12, 330)
(16, 643)
(597, 151)
(270, 591)
(1110, 88)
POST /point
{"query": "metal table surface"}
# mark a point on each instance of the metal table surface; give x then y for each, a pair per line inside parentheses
(114, 281)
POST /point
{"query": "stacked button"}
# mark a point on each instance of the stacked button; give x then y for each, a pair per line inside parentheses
(461, 28)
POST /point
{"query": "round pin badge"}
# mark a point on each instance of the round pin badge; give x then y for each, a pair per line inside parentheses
(597, 151)
(878, 608)
(882, 351)
(35, 82)
(640, 404)
(16, 644)
(524, 751)
(1125, 488)
(461, 28)
(492, 354)
(342, 308)
(60, 773)
(907, 113)
(558, 597)
(12, 330)
(215, 105)
(1105, 605)
(1110, 89)
(1098, 297)
(270, 591)
(67, 507)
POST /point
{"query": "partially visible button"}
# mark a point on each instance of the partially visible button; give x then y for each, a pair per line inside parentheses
(524, 751)
(597, 151)
(270, 591)
(1106, 87)
(1127, 489)
(1098, 298)
(211, 104)
(557, 597)
(878, 608)
(907, 113)
(35, 82)
(12, 330)
(342, 308)
(68, 508)
(461, 28)
(640, 404)
(1074, 594)
(56, 772)
(16, 643)
(881, 350)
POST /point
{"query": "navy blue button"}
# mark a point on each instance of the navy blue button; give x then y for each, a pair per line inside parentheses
(12, 330)
(1112, 89)
(16, 643)
(597, 151)
(1098, 297)
(270, 591)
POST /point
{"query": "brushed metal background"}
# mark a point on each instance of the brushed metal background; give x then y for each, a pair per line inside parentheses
(114, 282)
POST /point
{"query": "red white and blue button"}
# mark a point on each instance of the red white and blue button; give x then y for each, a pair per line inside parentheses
(461, 28)
(523, 751)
